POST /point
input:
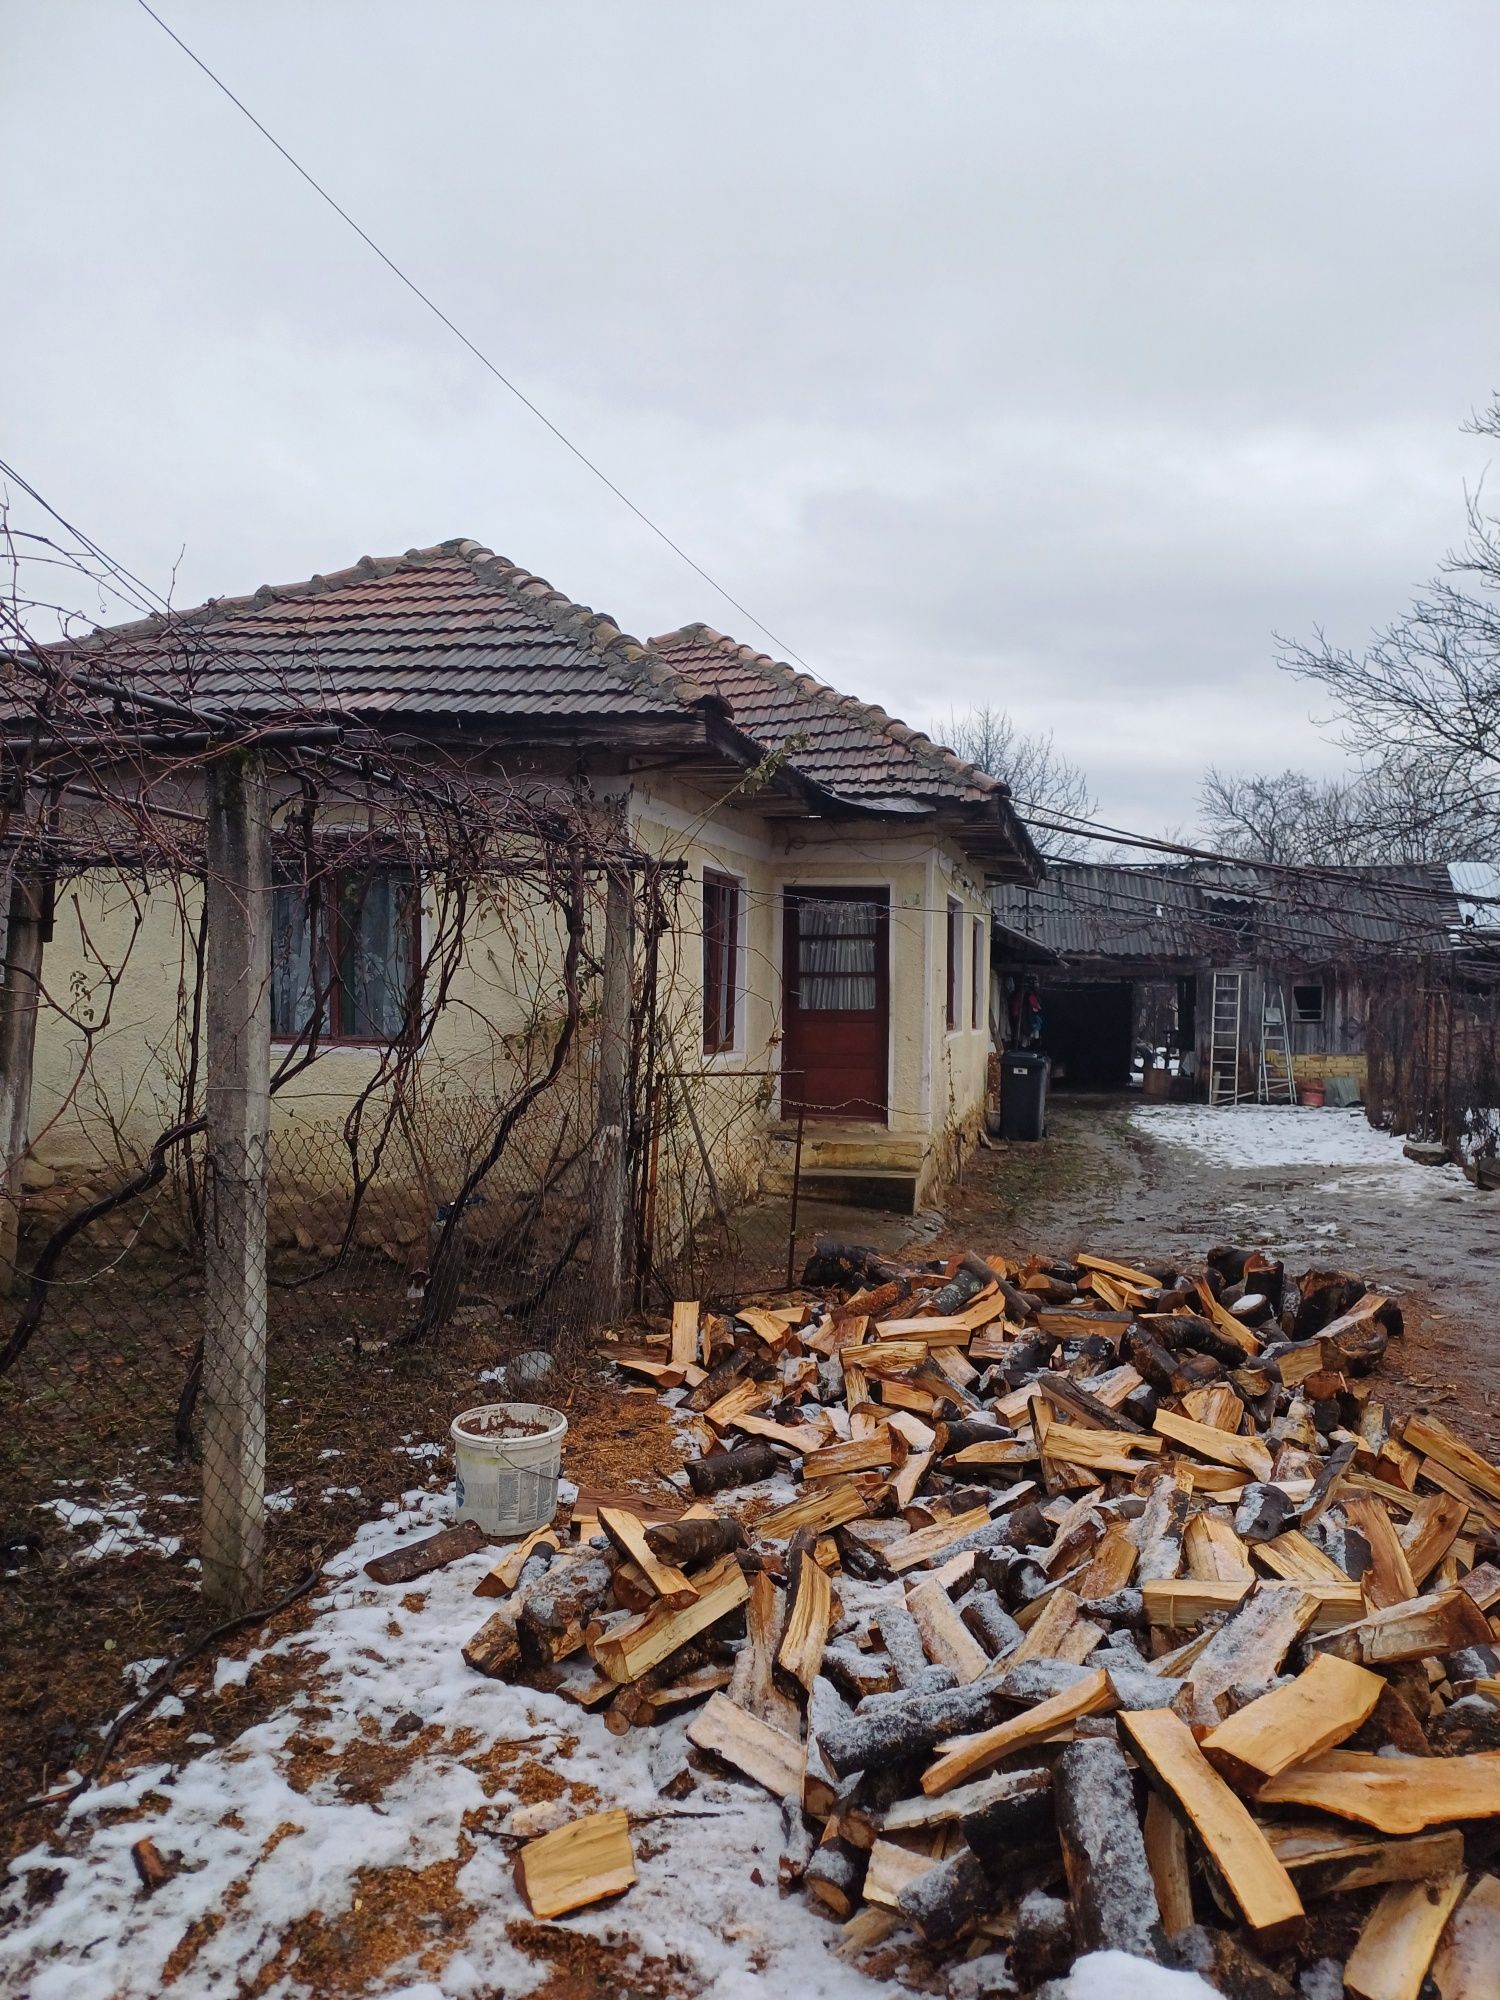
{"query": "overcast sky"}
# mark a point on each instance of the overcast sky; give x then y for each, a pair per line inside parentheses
(1049, 355)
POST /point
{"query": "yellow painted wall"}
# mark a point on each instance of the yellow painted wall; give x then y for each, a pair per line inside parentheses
(87, 1115)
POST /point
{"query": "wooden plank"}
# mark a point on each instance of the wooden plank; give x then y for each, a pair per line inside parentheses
(768, 1756)
(1394, 1794)
(1397, 1943)
(982, 1752)
(1219, 1447)
(629, 1650)
(684, 1348)
(948, 1642)
(1254, 1877)
(1325, 1704)
(800, 1654)
(577, 1864)
(663, 1579)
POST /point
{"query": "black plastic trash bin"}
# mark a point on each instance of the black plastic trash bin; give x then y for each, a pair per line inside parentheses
(1023, 1094)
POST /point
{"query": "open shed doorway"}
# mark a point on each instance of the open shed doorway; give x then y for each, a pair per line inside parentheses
(1087, 1030)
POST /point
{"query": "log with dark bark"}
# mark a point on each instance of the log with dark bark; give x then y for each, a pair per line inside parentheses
(431, 1552)
(834, 1877)
(559, 1604)
(835, 1266)
(685, 1542)
(949, 1899)
(1104, 1854)
(898, 1726)
(740, 1467)
(1016, 1821)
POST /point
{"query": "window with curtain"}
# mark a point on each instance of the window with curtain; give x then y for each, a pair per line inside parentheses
(721, 961)
(351, 938)
(976, 975)
(955, 956)
(837, 940)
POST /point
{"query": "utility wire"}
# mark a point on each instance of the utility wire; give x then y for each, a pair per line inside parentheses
(478, 352)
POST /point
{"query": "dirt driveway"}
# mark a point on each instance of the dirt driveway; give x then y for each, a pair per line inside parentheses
(1118, 1176)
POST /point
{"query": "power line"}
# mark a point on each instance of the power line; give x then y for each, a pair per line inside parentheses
(458, 333)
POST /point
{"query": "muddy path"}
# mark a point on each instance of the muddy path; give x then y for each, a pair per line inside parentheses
(1099, 1182)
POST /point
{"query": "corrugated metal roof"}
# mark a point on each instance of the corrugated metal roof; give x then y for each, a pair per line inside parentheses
(1207, 913)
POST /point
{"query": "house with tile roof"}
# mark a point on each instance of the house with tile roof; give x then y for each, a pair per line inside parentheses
(827, 947)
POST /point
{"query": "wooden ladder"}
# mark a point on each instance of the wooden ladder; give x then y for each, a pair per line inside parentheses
(1224, 1038)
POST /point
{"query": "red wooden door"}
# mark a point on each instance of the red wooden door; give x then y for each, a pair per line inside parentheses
(836, 1021)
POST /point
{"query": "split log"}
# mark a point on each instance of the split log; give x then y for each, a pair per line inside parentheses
(768, 1756)
(977, 1754)
(1325, 1862)
(1394, 1794)
(1254, 1877)
(1226, 1965)
(627, 1532)
(805, 1633)
(891, 1869)
(1424, 1625)
(581, 1863)
(430, 1552)
(1109, 1882)
(818, 1511)
(1007, 1818)
(754, 1684)
(628, 1650)
(1398, 1941)
(1167, 1858)
(1251, 1644)
(1318, 1710)
(1388, 1581)
(947, 1640)
(949, 1899)
(740, 1467)
(1467, 1965)
(504, 1577)
(558, 1605)
(495, 1649)
(1044, 1940)
(1219, 1447)
(835, 1876)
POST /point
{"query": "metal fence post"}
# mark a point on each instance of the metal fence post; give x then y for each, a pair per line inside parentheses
(237, 1104)
(791, 1240)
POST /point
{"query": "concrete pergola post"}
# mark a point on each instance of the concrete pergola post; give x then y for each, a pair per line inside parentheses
(237, 1018)
(28, 924)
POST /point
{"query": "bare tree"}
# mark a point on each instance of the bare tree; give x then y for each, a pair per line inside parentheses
(1042, 780)
(1420, 706)
(1381, 813)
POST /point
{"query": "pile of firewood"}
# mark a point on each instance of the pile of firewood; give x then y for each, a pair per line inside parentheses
(1109, 1609)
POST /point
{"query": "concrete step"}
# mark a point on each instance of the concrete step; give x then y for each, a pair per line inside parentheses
(890, 1188)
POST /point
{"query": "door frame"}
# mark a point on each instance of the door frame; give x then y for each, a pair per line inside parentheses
(836, 886)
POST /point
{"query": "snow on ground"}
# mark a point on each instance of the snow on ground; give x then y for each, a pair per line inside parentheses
(264, 1844)
(115, 1527)
(1284, 1135)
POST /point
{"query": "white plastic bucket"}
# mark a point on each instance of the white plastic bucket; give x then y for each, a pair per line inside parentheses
(508, 1484)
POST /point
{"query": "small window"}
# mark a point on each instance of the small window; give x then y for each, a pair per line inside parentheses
(345, 949)
(721, 961)
(976, 976)
(955, 957)
(1307, 1002)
